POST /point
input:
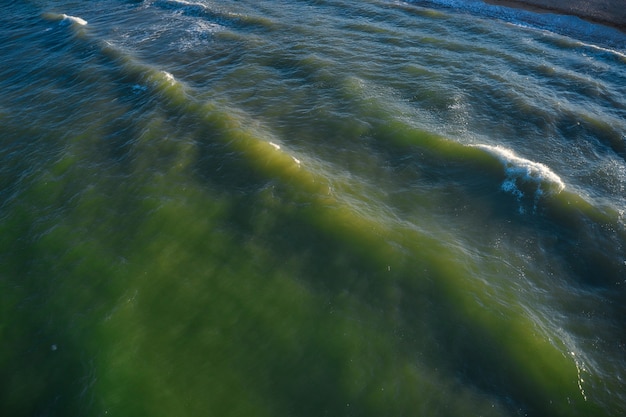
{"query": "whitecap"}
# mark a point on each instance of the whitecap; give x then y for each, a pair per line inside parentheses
(169, 77)
(524, 175)
(66, 19)
(603, 49)
(74, 19)
(182, 5)
(523, 169)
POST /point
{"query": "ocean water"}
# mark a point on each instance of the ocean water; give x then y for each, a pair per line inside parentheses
(310, 208)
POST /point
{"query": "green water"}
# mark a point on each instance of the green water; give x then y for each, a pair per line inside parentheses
(166, 297)
(264, 234)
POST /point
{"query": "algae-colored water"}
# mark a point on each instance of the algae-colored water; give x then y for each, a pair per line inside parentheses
(308, 208)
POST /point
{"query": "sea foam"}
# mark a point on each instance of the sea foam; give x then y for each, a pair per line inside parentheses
(186, 6)
(65, 18)
(75, 19)
(524, 174)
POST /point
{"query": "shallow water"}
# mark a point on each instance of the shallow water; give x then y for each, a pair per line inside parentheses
(310, 208)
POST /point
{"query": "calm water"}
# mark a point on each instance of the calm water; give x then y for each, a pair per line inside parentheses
(310, 208)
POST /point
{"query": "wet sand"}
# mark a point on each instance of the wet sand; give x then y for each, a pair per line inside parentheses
(606, 12)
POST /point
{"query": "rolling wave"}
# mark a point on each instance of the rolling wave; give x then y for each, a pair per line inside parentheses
(523, 174)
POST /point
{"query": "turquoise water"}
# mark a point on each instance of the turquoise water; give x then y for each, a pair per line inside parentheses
(310, 208)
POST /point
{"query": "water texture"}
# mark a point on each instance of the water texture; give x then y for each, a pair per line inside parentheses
(309, 208)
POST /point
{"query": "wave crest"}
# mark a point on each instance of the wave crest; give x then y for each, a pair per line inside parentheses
(524, 175)
(65, 18)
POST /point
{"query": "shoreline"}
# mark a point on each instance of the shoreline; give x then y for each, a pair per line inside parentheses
(611, 13)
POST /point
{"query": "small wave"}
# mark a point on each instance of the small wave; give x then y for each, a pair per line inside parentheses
(203, 19)
(265, 152)
(523, 175)
(66, 18)
(217, 17)
(169, 77)
(622, 55)
(194, 9)
(186, 6)
(75, 19)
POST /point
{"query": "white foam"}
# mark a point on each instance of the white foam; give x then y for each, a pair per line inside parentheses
(520, 171)
(524, 169)
(185, 3)
(74, 19)
(600, 48)
(169, 77)
(278, 148)
(187, 6)
(65, 19)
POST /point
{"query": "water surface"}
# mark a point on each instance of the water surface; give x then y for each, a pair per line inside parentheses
(310, 208)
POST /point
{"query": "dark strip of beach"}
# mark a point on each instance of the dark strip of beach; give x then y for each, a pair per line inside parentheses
(606, 12)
